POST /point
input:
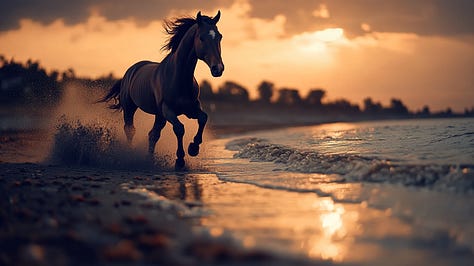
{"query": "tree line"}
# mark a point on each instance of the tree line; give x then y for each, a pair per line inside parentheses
(30, 83)
(23, 83)
(269, 95)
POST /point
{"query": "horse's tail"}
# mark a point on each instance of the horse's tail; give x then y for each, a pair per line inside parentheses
(113, 94)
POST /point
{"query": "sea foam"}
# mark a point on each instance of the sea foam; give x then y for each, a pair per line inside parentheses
(354, 168)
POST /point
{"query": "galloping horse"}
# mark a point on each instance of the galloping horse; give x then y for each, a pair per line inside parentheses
(169, 89)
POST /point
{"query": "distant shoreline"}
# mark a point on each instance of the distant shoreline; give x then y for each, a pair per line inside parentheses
(221, 124)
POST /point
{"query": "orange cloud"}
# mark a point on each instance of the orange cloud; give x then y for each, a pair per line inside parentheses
(321, 12)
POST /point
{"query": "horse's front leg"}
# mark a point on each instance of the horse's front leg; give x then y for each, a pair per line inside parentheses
(155, 133)
(178, 129)
(193, 148)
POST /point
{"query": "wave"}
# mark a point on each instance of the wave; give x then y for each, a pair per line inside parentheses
(354, 168)
(454, 136)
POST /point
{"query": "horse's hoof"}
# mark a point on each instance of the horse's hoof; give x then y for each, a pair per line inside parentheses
(193, 149)
(179, 165)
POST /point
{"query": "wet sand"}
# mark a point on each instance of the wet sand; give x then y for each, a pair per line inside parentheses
(74, 215)
(55, 215)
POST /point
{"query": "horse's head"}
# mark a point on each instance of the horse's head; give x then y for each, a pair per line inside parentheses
(207, 43)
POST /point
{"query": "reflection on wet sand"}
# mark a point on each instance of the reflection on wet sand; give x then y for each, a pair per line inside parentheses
(332, 243)
(180, 192)
(285, 222)
(179, 186)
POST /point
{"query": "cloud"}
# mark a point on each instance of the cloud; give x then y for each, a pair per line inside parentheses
(422, 17)
(75, 12)
(321, 12)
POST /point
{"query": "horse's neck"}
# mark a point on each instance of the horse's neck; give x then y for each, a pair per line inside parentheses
(185, 58)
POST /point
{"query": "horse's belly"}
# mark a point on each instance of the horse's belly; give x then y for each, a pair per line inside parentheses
(145, 100)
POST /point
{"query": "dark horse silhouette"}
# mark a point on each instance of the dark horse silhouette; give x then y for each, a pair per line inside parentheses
(169, 89)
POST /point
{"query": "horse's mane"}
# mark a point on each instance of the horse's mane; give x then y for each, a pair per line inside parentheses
(177, 29)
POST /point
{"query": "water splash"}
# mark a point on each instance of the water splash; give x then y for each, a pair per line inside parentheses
(97, 145)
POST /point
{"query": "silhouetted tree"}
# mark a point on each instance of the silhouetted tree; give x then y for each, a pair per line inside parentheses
(343, 106)
(448, 111)
(288, 96)
(29, 82)
(231, 91)
(468, 112)
(315, 97)
(425, 112)
(68, 74)
(397, 107)
(12, 81)
(372, 108)
(265, 91)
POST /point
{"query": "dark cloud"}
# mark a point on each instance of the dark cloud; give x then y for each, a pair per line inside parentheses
(46, 11)
(424, 17)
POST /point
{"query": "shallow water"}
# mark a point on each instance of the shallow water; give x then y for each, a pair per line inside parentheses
(320, 216)
(426, 141)
(437, 153)
(353, 192)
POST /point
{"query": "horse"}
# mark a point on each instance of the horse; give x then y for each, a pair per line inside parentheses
(168, 89)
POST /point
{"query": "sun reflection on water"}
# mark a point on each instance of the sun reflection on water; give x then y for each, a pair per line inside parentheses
(331, 221)
(281, 221)
(335, 223)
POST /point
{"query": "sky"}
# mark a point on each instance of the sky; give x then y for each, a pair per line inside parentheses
(419, 51)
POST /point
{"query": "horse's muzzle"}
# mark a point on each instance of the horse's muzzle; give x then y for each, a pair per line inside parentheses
(217, 70)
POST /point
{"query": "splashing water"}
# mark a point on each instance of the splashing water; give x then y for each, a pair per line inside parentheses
(76, 143)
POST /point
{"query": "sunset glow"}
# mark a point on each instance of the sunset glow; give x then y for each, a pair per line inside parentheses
(326, 53)
(329, 35)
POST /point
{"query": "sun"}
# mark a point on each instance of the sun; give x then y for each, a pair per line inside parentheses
(329, 35)
(318, 41)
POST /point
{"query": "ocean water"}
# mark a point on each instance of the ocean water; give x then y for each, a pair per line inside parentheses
(435, 153)
(427, 141)
(375, 193)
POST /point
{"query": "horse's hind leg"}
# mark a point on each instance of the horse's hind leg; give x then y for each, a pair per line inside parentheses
(193, 148)
(155, 133)
(128, 113)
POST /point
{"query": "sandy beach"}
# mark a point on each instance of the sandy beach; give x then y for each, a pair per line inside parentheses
(76, 215)
(55, 215)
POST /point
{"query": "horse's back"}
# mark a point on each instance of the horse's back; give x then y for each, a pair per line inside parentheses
(139, 84)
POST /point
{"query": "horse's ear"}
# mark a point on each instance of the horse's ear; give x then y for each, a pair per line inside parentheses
(199, 17)
(217, 17)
